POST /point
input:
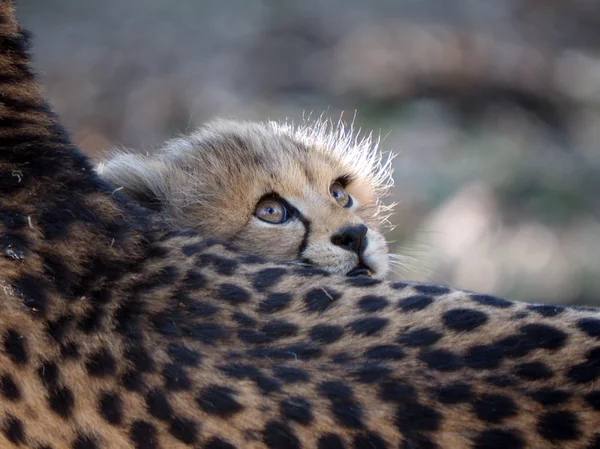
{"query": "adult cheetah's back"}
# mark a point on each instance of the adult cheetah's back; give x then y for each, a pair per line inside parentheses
(114, 335)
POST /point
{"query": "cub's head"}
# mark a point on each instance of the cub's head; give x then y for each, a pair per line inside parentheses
(304, 195)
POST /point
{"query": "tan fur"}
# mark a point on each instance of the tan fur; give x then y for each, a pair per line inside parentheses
(116, 333)
(212, 180)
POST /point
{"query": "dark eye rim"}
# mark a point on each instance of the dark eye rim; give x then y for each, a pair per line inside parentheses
(343, 182)
(288, 211)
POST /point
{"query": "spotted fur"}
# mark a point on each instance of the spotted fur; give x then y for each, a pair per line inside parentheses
(117, 333)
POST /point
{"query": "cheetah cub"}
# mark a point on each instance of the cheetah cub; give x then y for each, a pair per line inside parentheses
(309, 195)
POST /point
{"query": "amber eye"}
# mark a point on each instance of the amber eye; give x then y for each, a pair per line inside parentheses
(271, 210)
(341, 196)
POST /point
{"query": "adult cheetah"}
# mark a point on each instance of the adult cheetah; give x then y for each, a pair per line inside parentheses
(118, 333)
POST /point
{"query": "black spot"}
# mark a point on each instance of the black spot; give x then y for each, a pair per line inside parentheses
(15, 347)
(494, 408)
(544, 336)
(441, 360)
(132, 380)
(546, 310)
(92, 321)
(243, 320)
(233, 294)
(372, 303)
(595, 444)
(176, 378)
(191, 249)
(558, 426)
(297, 409)
(63, 279)
(415, 303)
(454, 394)
(218, 400)
(59, 327)
(184, 430)
(61, 401)
(342, 358)
(385, 352)
(343, 406)
(399, 285)
(275, 303)
(587, 371)
(222, 265)
(143, 435)
(484, 356)
(252, 259)
(413, 417)
(368, 326)
(48, 374)
(101, 364)
(369, 440)
(593, 399)
(591, 326)
(434, 290)
(254, 337)
(362, 281)
(502, 381)
(240, 371)
(326, 334)
(492, 301)
(276, 330)
(268, 278)
(70, 351)
(194, 308)
(85, 442)
(397, 391)
(142, 361)
(32, 291)
(290, 375)
(111, 408)
(158, 405)
(464, 320)
(8, 388)
(499, 439)
(419, 337)
(208, 333)
(278, 435)
(319, 299)
(14, 431)
(551, 396)
(12, 219)
(533, 371)
(330, 441)
(194, 280)
(183, 355)
(370, 373)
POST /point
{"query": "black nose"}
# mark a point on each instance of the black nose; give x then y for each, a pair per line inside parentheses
(352, 238)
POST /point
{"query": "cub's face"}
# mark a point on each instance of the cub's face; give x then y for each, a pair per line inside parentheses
(265, 190)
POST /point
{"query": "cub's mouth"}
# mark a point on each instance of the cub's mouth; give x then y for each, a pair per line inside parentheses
(360, 271)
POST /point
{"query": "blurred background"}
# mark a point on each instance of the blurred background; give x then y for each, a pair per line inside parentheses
(493, 107)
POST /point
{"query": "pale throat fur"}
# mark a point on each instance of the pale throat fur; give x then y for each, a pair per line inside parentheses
(308, 195)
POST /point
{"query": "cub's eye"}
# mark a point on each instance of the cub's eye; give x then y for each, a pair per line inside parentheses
(271, 211)
(341, 196)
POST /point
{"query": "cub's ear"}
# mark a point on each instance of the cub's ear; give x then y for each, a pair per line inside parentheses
(141, 177)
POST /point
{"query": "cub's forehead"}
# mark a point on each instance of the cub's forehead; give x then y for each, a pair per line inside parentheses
(258, 146)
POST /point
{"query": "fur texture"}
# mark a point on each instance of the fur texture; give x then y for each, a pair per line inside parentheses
(213, 180)
(116, 333)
